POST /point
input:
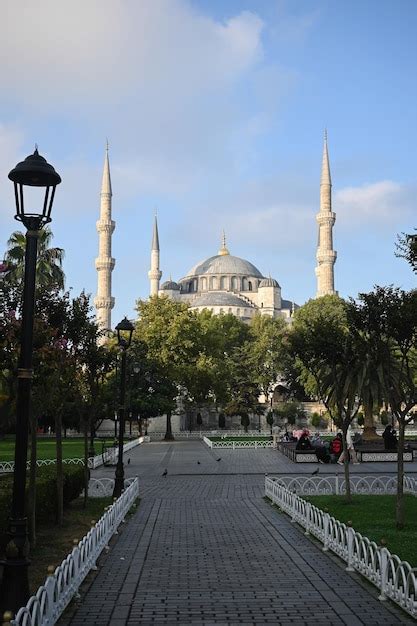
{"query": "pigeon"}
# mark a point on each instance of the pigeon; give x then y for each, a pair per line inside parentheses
(198, 462)
(165, 472)
(219, 459)
(316, 471)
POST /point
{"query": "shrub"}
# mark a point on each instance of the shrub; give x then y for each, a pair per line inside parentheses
(316, 420)
(46, 495)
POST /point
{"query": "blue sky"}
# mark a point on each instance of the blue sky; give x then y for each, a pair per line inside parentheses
(215, 114)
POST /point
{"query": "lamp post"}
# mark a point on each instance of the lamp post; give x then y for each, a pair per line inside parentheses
(124, 338)
(34, 171)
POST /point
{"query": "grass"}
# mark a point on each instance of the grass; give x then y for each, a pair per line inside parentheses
(374, 516)
(54, 542)
(255, 438)
(71, 448)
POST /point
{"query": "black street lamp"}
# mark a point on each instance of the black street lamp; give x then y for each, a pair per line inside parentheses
(124, 338)
(34, 171)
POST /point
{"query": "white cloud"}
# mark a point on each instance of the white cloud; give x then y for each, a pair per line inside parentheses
(383, 203)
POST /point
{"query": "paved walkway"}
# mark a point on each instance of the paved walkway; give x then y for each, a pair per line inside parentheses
(204, 547)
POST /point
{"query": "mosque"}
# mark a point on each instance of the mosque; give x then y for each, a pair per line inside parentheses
(222, 283)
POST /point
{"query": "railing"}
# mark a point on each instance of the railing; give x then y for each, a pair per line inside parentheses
(335, 484)
(52, 598)
(103, 487)
(238, 444)
(395, 579)
(200, 434)
(110, 455)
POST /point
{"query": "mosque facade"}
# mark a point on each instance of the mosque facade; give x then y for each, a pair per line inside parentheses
(222, 283)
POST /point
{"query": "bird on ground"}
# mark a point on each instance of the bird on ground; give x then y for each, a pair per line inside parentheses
(165, 472)
(128, 461)
(219, 459)
(316, 471)
(198, 462)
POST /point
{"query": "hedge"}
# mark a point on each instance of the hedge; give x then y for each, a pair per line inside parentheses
(46, 494)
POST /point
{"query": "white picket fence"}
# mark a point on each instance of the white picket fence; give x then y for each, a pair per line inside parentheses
(103, 487)
(52, 598)
(109, 456)
(395, 579)
(335, 484)
(238, 444)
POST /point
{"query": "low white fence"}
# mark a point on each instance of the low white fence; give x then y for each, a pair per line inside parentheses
(238, 444)
(103, 487)
(109, 456)
(395, 579)
(335, 484)
(200, 434)
(52, 598)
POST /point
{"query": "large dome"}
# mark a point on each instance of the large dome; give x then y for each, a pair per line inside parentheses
(224, 264)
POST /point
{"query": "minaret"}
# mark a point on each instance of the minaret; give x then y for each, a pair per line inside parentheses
(155, 273)
(326, 256)
(104, 302)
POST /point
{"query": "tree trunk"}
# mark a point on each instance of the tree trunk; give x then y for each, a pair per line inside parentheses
(168, 435)
(369, 428)
(400, 512)
(346, 466)
(59, 470)
(86, 468)
(32, 483)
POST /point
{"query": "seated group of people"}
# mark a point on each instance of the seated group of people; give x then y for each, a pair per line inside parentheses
(326, 452)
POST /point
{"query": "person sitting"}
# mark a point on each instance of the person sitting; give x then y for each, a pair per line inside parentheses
(386, 435)
(392, 440)
(322, 453)
(336, 447)
(304, 442)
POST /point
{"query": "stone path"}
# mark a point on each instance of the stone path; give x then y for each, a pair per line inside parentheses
(204, 547)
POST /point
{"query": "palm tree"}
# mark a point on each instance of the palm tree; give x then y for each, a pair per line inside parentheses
(49, 271)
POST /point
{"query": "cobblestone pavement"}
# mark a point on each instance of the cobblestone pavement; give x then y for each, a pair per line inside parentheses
(204, 547)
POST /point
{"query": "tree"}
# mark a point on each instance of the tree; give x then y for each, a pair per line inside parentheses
(48, 265)
(170, 331)
(266, 353)
(270, 419)
(290, 412)
(328, 360)
(390, 318)
(406, 248)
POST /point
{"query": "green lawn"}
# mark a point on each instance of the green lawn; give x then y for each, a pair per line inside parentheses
(71, 448)
(255, 438)
(374, 516)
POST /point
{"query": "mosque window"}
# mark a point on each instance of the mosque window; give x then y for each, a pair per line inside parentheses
(230, 310)
(203, 282)
(245, 284)
(238, 311)
(234, 282)
(213, 282)
(262, 305)
(195, 284)
(223, 282)
(250, 286)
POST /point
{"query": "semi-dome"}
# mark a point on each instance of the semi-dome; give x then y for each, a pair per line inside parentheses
(170, 284)
(220, 298)
(268, 282)
(224, 264)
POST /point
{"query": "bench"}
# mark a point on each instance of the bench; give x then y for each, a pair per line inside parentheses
(298, 456)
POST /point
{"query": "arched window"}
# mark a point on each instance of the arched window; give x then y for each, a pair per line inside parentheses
(238, 311)
(223, 282)
(250, 286)
(221, 311)
(213, 282)
(195, 284)
(230, 310)
(234, 282)
(262, 305)
(245, 284)
(203, 283)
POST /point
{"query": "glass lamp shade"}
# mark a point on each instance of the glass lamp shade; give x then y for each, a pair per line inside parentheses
(34, 171)
(124, 331)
